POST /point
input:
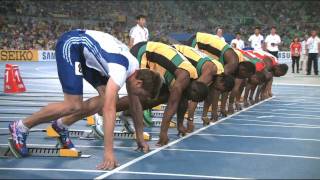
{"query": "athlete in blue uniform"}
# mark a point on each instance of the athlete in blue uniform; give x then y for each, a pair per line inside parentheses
(107, 65)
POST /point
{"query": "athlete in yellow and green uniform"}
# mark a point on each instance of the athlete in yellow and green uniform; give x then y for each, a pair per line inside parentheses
(179, 81)
(232, 60)
(210, 71)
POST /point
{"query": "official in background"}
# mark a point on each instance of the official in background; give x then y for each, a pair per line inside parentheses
(237, 42)
(313, 47)
(304, 54)
(256, 39)
(139, 32)
(272, 42)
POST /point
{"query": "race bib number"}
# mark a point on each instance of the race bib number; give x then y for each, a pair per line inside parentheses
(78, 69)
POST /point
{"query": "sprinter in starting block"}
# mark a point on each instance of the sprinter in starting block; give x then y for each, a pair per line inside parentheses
(210, 72)
(106, 64)
(180, 84)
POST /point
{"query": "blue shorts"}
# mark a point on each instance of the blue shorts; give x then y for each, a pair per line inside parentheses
(72, 67)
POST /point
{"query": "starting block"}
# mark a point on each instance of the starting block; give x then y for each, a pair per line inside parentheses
(95, 133)
(7, 152)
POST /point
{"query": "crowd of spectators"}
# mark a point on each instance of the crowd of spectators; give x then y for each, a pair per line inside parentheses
(31, 24)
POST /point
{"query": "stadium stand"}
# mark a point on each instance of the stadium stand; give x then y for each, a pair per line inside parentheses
(30, 24)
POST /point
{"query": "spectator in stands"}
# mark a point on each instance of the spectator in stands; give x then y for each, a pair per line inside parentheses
(304, 54)
(219, 33)
(237, 42)
(272, 42)
(313, 47)
(139, 32)
(295, 49)
(256, 39)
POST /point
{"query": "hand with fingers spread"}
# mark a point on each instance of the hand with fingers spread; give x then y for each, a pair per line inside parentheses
(109, 162)
(143, 147)
(163, 139)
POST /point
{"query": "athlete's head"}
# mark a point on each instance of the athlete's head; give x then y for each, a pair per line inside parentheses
(257, 78)
(223, 83)
(145, 82)
(245, 70)
(141, 20)
(196, 91)
(280, 70)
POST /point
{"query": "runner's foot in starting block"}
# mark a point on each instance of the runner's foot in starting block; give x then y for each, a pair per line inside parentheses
(11, 151)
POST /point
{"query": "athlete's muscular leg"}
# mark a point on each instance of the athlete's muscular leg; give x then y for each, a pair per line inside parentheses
(89, 107)
(53, 111)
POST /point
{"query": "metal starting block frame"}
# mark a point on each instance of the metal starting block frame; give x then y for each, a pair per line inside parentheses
(94, 134)
(10, 151)
(119, 122)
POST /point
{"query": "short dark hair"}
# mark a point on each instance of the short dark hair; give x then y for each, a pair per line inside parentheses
(273, 27)
(141, 16)
(249, 66)
(257, 27)
(228, 82)
(197, 91)
(218, 28)
(283, 67)
(151, 81)
(238, 33)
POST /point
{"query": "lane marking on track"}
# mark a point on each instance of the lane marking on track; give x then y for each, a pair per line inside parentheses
(173, 143)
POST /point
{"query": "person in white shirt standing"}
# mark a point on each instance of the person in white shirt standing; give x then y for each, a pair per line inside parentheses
(304, 54)
(272, 42)
(313, 48)
(237, 42)
(219, 33)
(256, 39)
(139, 33)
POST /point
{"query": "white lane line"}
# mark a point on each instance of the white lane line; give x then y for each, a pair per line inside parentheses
(246, 153)
(296, 105)
(271, 125)
(275, 122)
(258, 137)
(121, 172)
(77, 146)
(276, 113)
(295, 84)
(59, 170)
(289, 117)
(179, 175)
(173, 143)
